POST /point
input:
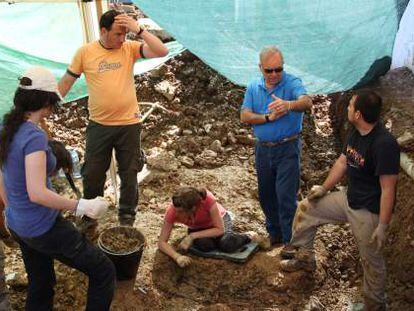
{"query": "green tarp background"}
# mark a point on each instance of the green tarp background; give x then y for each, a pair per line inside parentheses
(330, 44)
(46, 34)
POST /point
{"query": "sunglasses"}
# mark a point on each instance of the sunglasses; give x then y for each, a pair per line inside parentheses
(275, 70)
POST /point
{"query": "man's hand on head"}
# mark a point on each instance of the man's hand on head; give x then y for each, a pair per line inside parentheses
(128, 22)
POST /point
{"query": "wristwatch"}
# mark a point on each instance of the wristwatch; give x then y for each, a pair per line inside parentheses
(140, 31)
(267, 118)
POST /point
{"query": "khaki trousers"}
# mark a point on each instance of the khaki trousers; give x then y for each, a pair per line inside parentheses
(333, 209)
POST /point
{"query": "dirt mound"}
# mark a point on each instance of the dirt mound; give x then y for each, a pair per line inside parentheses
(257, 284)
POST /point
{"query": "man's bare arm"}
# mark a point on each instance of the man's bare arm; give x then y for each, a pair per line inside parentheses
(249, 117)
(388, 189)
(303, 103)
(65, 84)
(153, 46)
(336, 173)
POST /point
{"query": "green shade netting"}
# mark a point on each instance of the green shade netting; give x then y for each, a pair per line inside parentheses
(46, 34)
(331, 44)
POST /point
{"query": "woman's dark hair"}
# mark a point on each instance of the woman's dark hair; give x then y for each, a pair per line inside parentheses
(107, 19)
(188, 197)
(369, 104)
(24, 101)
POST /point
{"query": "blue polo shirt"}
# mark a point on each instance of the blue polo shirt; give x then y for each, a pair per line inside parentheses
(257, 98)
(23, 216)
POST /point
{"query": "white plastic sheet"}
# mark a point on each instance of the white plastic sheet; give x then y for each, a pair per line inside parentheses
(403, 53)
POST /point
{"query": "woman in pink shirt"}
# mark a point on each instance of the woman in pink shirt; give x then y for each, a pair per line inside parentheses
(209, 225)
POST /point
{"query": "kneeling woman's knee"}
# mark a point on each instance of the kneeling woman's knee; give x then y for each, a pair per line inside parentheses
(205, 244)
(231, 242)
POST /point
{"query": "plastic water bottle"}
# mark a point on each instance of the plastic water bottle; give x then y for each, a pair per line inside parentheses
(76, 164)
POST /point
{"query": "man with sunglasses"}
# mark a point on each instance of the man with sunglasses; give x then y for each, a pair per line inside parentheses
(274, 105)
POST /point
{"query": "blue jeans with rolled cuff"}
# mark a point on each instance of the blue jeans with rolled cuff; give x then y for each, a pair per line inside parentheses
(278, 176)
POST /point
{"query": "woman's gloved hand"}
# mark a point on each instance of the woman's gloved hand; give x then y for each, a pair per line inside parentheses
(183, 261)
(94, 208)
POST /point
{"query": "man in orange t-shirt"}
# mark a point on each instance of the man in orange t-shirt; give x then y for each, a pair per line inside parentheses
(113, 107)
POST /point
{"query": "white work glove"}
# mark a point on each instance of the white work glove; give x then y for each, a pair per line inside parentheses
(378, 236)
(183, 261)
(316, 193)
(186, 243)
(94, 208)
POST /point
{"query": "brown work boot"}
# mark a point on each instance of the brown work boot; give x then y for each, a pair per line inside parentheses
(126, 220)
(293, 265)
(288, 251)
(304, 260)
(275, 240)
(264, 242)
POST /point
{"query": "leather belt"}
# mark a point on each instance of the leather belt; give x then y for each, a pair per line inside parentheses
(279, 142)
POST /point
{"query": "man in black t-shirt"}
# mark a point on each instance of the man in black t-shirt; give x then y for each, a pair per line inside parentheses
(370, 160)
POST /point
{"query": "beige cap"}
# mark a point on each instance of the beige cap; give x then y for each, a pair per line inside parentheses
(42, 80)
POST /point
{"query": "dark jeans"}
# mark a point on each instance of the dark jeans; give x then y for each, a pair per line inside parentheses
(229, 242)
(64, 243)
(278, 175)
(100, 141)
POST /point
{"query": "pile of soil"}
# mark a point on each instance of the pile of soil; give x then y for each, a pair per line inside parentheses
(196, 139)
(121, 240)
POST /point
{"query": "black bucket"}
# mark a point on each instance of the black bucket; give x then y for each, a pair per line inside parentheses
(126, 261)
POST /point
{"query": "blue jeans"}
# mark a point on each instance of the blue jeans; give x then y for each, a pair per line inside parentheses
(278, 175)
(65, 243)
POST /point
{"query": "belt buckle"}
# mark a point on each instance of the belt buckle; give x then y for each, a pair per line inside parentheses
(284, 140)
(279, 142)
